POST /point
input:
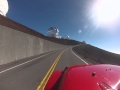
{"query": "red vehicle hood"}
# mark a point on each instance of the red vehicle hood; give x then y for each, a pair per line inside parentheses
(90, 77)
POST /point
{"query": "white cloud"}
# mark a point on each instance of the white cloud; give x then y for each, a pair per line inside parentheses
(79, 31)
(117, 52)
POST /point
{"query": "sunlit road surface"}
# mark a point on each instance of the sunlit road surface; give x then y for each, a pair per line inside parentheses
(30, 74)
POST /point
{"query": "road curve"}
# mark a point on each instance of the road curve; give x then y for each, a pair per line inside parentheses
(28, 75)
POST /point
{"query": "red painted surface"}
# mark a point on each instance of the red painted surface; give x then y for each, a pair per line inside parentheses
(54, 81)
(91, 77)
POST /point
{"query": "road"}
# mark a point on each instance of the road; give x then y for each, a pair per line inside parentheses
(27, 75)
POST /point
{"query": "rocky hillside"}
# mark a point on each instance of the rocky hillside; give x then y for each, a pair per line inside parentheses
(96, 55)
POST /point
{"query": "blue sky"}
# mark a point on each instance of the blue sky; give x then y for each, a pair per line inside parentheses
(71, 17)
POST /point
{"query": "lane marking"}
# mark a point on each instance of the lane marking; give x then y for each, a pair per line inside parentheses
(49, 73)
(24, 63)
(79, 57)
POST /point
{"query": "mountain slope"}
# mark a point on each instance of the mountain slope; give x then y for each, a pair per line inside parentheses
(96, 55)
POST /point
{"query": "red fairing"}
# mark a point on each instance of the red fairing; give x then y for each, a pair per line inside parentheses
(90, 77)
(54, 81)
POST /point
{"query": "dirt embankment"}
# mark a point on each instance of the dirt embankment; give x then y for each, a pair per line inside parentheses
(4, 21)
(97, 55)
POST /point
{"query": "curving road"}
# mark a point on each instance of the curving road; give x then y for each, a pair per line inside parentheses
(27, 74)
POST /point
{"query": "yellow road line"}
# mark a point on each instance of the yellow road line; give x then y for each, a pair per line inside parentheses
(49, 73)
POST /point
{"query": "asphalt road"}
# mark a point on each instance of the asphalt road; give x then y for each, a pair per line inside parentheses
(27, 75)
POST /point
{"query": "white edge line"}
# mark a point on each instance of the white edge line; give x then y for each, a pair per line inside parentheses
(79, 57)
(23, 63)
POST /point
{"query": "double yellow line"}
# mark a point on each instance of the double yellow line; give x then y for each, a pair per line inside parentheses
(49, 73)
